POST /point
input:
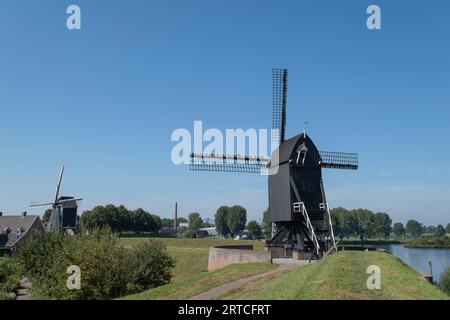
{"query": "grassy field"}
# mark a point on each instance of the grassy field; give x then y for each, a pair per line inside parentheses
(340, 276)
(202, 282)
(343, 276)
(191, 255)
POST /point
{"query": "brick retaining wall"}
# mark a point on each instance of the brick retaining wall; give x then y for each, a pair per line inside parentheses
(220, 257)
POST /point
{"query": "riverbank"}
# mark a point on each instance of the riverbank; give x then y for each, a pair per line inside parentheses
(420, 242)
(428, 242)
(382, 242)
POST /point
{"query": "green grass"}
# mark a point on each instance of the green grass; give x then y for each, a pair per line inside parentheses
(190, 276)
(343, 276)
(204, 243)
(191, 255)
(199, 283)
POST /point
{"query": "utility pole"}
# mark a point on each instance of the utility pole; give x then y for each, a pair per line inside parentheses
(175, 225)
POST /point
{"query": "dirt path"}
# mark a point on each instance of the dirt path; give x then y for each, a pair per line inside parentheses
(225, 288)
(24, 292)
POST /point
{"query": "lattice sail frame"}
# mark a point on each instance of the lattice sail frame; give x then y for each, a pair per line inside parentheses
(279, 100)
(228, 163)
(339, 160)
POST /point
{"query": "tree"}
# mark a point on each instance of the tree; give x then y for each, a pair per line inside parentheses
(266, 225)
(47, 215)
(195, 223)
(361, 223)
(236, 219)
(167, 223)
(382, 225)
(414, 228)
(255, 229)
(440, 231)
(340, 221)
(447, 228)
(399, 229)
(207, 223)
(429, 229)
(221, 221)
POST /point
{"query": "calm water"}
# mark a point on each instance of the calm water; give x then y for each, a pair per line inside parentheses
(418, 258)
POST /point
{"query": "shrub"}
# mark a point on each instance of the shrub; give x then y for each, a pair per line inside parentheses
(445, 281)
(150, 265)
(9, 279)
(37, 254)
(108, 270)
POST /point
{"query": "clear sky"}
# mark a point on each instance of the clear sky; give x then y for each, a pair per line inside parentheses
(105, 99)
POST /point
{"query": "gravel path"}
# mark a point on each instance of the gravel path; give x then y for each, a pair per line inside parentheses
(24, 292)
(227, 287)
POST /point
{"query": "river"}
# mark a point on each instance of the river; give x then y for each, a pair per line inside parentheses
(417, 258)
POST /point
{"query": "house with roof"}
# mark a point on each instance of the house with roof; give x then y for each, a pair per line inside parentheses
(14, 229)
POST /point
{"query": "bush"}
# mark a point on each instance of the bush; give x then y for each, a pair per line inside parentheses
(150, 265)
(9, 279)
(108, 270)
(445, 281)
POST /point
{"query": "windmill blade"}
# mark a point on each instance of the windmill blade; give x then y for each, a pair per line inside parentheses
(339, 160)
(279, 99)
(228, 163)
(41, 204)
(58, 186)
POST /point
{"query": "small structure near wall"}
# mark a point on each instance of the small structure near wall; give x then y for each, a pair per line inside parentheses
(221, 256)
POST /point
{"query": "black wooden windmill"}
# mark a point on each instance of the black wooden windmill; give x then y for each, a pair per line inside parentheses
(299, 213)
(64, 210)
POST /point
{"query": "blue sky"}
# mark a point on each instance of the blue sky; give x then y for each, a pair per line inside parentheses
(105, 99)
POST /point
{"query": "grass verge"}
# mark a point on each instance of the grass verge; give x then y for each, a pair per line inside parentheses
(199, 283)
(343, 276)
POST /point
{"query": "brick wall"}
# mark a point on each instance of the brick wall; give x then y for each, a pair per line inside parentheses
(220, 257)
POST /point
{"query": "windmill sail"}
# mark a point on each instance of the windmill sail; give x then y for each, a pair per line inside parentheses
(279, 99)
(227, 163)
(339, 160)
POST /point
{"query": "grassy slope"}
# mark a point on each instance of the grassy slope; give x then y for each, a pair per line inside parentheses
(202, 282)
(343, 276)
(191, 255)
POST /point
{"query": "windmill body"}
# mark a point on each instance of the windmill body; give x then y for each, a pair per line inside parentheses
(298, 210)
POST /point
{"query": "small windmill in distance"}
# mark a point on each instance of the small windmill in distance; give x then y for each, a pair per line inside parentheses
(64, 210)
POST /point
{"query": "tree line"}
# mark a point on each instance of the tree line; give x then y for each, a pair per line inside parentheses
(364, 224)
(361, 223)
(120, 219)
(231, 221)
(414, 228)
